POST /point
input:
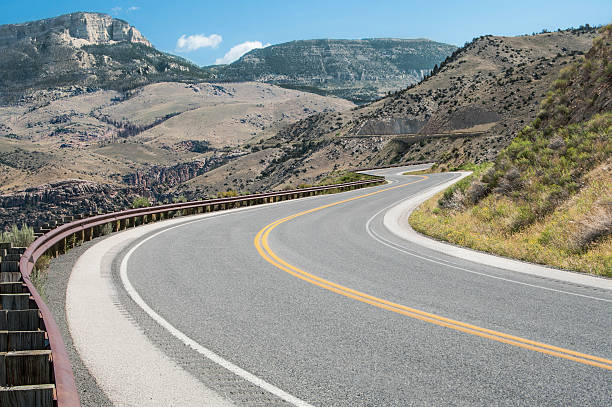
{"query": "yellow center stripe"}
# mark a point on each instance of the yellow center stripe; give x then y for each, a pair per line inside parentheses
(263, 248)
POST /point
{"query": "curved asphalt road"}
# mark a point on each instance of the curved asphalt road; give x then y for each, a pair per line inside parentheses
(208, 280)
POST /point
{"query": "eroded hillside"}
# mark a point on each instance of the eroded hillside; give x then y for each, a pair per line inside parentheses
(146, 142)
(466, 112)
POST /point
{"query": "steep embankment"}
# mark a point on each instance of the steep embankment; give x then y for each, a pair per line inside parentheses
(357, 70)
(548, 196)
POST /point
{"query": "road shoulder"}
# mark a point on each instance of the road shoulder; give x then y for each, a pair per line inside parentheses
(396, 221)
(54, 283)
(127, 366)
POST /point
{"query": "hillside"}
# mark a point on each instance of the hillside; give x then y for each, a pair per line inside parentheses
(358, 70)
(467, 111)
(178, 136)
(87, 104)
(82, 50)
(548, 196)
(60, 143)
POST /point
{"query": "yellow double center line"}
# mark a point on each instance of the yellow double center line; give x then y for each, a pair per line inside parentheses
(263, 248)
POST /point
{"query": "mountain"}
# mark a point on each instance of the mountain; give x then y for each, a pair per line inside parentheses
(468, 110)
(358, 70)
(87, 50)
(91, 102)
(547, 198)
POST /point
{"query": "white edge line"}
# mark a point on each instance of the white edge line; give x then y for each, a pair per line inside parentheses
(392, 245)
(190, 342)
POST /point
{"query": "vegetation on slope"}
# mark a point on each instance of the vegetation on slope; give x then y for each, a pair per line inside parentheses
(18, 236)
(548, 196)
(341, 177)
(469, 110)
(139, 65)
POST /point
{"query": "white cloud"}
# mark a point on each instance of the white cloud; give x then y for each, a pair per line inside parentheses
(116, 10)
(196, 41)
(239, 50)
(133, 8)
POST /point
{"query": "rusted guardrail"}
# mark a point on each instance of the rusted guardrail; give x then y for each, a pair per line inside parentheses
(59, 240)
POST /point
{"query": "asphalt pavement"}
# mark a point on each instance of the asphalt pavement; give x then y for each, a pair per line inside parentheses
(207, 279)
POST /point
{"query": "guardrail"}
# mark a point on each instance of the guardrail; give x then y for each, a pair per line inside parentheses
(62, 238)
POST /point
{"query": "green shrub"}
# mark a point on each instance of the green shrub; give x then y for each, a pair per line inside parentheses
(19, 237)
(140, 202)
(107, 229)
(341, 177)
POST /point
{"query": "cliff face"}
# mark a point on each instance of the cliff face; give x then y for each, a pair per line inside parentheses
(38, 205)
(160, 177)
(82, 49)
(76, 28)
(360, 70)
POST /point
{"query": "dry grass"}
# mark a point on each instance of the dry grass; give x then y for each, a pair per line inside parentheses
(550, 197)
(575, 236)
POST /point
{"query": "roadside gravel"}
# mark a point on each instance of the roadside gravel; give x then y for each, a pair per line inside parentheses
(54, 293)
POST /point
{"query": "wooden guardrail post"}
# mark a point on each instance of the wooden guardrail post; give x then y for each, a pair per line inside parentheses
(61, 246)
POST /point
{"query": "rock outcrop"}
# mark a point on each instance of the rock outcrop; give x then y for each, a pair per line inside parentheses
(390, 126)
(170, 176)
(76, 29)
(89, 50)
(35, 206)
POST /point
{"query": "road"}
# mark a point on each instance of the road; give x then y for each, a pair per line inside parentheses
(315, 302)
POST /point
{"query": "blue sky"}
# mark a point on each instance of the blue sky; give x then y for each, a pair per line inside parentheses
(218, 31)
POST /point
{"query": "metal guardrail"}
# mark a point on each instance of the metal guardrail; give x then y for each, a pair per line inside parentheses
(58, 240)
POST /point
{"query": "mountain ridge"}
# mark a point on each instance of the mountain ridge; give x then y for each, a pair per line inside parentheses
(360, 70)
(97, 51)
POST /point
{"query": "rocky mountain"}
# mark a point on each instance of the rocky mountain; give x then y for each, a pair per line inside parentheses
(88, 50)
(77, 28)
(89, 99)
(95, 51)
(358, 70)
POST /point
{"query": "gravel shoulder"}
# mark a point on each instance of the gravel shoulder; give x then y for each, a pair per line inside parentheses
(54, 285)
